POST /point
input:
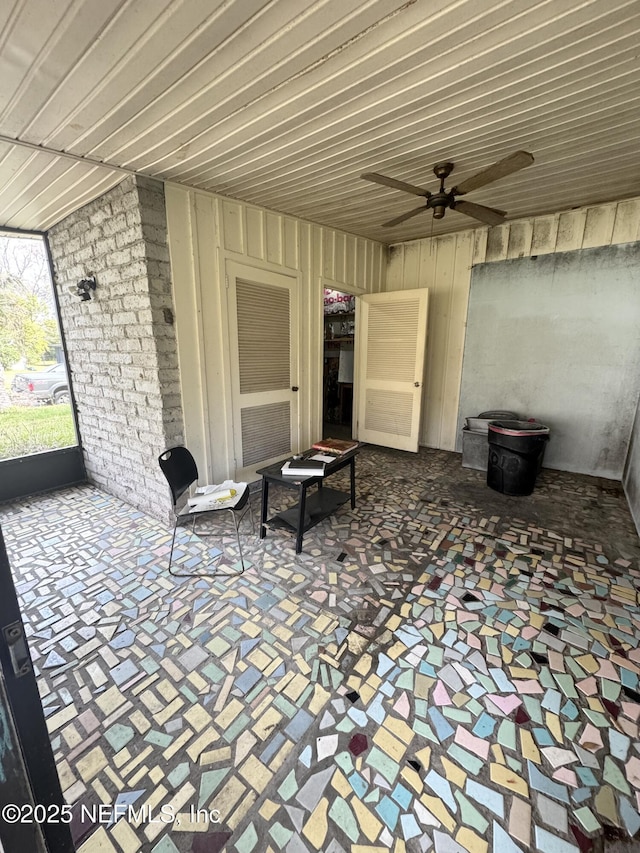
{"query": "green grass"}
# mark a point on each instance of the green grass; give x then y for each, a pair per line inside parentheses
(30, 429)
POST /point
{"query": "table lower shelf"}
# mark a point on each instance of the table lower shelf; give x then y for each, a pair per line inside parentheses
(318, 506)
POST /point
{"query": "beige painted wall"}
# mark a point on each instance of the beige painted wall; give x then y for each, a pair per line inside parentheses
(205, 231)
(443, 264)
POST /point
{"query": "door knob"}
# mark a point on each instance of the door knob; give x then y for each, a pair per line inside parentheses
(294, 387)
(417, 384)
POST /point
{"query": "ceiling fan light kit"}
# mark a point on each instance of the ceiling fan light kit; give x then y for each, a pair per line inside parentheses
(443, 199)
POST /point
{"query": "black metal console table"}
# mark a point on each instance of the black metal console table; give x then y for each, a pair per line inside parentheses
(311, 508)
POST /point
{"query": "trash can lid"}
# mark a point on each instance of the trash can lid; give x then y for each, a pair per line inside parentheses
(522, 428)
(499, 415)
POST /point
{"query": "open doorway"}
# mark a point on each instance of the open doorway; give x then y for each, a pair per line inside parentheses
(39, 447)
(337, 380)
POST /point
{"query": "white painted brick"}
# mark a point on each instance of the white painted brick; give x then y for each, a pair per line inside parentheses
(128, 236)
(116, 224)
(101, 215)
(148, 346)
(133, 217)
(135, 301)
(128, 345)
(106, 245)
(124, 318)
(122, 354)
(83, 254)
(78, 227)
(123, 256)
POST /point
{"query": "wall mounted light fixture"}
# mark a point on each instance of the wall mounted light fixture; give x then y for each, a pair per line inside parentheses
(85, 287)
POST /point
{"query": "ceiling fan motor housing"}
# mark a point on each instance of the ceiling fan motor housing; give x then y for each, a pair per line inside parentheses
(439, 202)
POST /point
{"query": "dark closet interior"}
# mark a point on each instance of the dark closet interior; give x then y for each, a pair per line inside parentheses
(339, 335)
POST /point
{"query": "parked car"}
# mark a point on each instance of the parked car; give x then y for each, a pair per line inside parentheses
(50, 385)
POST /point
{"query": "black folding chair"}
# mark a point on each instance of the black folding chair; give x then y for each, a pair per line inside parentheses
(180, 469)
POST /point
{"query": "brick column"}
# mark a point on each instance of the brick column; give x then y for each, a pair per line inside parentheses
(122, 344)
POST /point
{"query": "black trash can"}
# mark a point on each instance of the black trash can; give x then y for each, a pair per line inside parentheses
(516, 449)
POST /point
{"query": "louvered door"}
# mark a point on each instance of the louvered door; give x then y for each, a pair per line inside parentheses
(262, 314)
(392, 335)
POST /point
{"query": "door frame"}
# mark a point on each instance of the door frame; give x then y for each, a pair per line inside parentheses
(31, 776)
(352, 290)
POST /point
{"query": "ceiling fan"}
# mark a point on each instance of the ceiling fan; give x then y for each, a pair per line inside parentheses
(441, 200)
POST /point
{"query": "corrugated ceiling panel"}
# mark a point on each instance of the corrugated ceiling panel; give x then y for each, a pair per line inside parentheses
(40, 189)
(284, 104)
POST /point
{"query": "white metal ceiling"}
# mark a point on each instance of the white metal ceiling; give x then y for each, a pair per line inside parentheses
(285, 103)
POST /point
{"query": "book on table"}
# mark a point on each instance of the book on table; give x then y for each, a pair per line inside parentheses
(336, 446)
(303, 468)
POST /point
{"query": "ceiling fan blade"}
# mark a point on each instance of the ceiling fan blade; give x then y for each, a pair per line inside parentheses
(404, 216)
(485, 214)
(397, 185)
(513, 163)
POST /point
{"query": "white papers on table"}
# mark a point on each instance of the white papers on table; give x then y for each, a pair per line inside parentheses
(323, 457)
(224, 495)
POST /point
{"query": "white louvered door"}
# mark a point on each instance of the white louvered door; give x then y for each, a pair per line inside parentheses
(392, 334)
(263, 337)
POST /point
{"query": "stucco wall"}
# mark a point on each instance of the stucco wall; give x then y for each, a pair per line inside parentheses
(122, 344)
(631, 479)
(443, 264)
(558, 338)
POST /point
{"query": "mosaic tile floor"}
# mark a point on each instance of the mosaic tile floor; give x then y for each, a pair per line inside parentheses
(442, 669)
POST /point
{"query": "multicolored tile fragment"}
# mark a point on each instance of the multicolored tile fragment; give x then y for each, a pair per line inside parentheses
(430, 674)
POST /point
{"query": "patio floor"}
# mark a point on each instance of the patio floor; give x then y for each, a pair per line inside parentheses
(443, 668)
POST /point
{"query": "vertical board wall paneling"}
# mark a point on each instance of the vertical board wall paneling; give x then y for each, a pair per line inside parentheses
(626, 226)
(520, 235)
(291, 245)
(455, 336)
(215, 365)
(411, 267)
(233, 226)
(255, 233)
(395, 267)
(543, 238)
(220, 229)
(570, 230)
(349, 260)
(328, 256)
(360, 271)
(378, 266)
(433, 400)
(181, 215)
(275, 255)
(309, 364)
(598, 227)
(441, 270)
(497, 243)
(340, 249)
